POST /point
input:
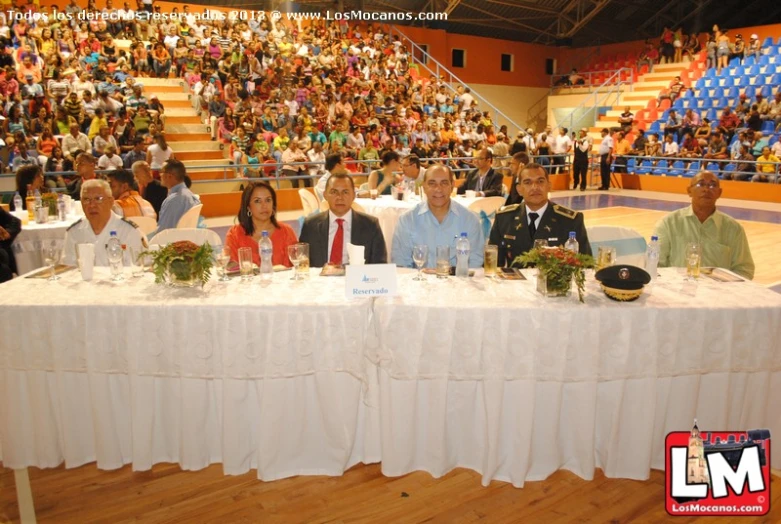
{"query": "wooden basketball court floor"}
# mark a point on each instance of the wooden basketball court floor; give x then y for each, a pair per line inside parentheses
(363, 494)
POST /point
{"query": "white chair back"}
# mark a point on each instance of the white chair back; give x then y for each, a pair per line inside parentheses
(630, 245)
(196, 235)
(487, 204)
(190, 219)
(308, 201)
(146, 225)
(356, 206)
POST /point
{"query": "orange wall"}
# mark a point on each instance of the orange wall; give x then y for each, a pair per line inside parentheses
(637, 45)
(483, 57)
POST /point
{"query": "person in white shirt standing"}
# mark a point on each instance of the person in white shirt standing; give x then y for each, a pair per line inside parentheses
(605, 158)
(562, 146)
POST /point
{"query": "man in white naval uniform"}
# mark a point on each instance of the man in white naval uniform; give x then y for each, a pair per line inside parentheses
(98, 223)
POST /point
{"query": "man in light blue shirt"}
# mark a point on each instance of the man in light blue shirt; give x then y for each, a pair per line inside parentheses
(179, 199)
(437, 222)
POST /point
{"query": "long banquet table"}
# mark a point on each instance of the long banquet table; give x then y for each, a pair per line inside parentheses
(293, 378)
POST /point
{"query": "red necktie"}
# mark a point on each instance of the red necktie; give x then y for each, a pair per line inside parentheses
(338, 245)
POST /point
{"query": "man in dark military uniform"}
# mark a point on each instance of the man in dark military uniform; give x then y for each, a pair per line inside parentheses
(518, 226)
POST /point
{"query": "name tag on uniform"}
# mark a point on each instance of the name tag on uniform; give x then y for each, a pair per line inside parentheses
(553, 240)
(509, 237)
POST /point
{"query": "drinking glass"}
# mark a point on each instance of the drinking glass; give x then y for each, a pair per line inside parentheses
(303, 260)
(136, 262)
(693, 259)
(245, 263)
(606, 256)
(52, 251)
(540, 243)
(419, 256)
(490, 260)
(443, 261)
(223, 259)
(115, 261)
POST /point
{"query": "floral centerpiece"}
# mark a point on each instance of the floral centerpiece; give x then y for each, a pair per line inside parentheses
(50, 200)
(557, 268)
(182, 263)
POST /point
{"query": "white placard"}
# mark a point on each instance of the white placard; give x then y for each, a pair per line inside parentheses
(370, 280)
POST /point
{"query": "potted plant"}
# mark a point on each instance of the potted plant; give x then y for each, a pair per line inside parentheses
(182, 263)
(557, 268)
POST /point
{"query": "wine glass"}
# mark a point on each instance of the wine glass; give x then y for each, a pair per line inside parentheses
(294, 253)
(419, 256)
(223, 259)
(52, 251)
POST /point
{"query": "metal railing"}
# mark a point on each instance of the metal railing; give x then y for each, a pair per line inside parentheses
(613, 88)
(689, 171)
(438, 70)
(561, 82)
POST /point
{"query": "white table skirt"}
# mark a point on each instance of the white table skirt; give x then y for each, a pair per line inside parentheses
(466, 373)
(389, 210)
(27, 245)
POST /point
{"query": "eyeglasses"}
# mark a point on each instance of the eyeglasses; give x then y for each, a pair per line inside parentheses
(93, 200)
(539, 182)
(706, 185)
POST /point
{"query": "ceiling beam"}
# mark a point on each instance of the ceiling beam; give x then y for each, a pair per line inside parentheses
(524, 5)
(585, 17)
(519, 24)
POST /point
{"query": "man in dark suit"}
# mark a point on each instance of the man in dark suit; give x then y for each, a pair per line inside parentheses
(517, 163)
(483, 180)
(329, 232)
(10, 227)
(150, 189)
(518, 226)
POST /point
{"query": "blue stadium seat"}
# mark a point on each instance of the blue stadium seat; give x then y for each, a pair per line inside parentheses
(677, 169)
(775, 79)
(692, 170)
(712, 115)
(764, 60)
(744, 80)
(710, 73)
(645, 168)
(778, 42)
(713, 167)
(738, 71)
(750, 92)
(734, 62)
(773, 140)
(728, 170)
(631, 164)
(701, 83)
(704, 103)
(661, 168)
(655, 127)
(768, 127)
(678, 104)
(753, 70)
(768, 41)
(689, 93)
(750, 60)
(759, 80)
(687, 103)
(732, 92)
(721, 103)
(665, 115)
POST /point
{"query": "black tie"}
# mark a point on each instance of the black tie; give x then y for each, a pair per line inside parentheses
(533, 224)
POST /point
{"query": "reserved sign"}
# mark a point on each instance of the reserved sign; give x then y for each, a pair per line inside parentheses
(370, 280)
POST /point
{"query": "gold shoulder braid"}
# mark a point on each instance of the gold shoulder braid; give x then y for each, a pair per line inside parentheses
(565, 212)
(507, 209)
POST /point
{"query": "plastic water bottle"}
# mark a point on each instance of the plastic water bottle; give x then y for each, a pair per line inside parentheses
(572, 243)
(462, 256)
(652, 257)
(62, 210)
(266, 251)
(38, 199)
(18, 203)
(115, 255)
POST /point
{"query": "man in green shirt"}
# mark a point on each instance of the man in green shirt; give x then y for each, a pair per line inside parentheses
(723, 240)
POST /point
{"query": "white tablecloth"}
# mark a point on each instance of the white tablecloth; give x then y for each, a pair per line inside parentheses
(253, 377)
(495, 378)
(294, 379)
(27, 245)
(388, 211)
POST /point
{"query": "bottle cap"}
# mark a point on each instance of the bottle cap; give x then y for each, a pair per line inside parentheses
(264, 234)
(572, 234)
(463, 235)
(113, 233)
(654, 238)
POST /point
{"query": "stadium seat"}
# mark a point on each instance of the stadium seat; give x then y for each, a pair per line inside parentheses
(645, 168)
(768, 126)
(764, 60)
(631, 165)
(665, 115)
(655, 127)
(734, 62)
(661, 168)
(677, 169)
(713, 167)
(720, 103)
(743, 81)
(778, 42)
(701, 83)
(768, 41)
(773, 140)
(775, 79)
(712, 115)
(753, 70)
(750, 92)
(750, 60)
(732, 93)
(728, 170)
(759, 80)
(692, 170)
(678, 104)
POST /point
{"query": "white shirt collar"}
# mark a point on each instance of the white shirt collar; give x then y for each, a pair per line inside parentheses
(540, 211)
(348, 218)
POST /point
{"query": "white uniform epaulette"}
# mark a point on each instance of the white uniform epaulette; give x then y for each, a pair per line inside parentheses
(74, 224)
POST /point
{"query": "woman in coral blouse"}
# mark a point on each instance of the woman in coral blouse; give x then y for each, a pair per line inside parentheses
(257, 214)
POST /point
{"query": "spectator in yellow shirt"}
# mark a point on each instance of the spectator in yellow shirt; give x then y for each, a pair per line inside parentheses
(767, 167)
(97, 122)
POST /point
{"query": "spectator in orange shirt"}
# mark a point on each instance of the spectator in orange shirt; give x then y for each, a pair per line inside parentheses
(127, 201)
